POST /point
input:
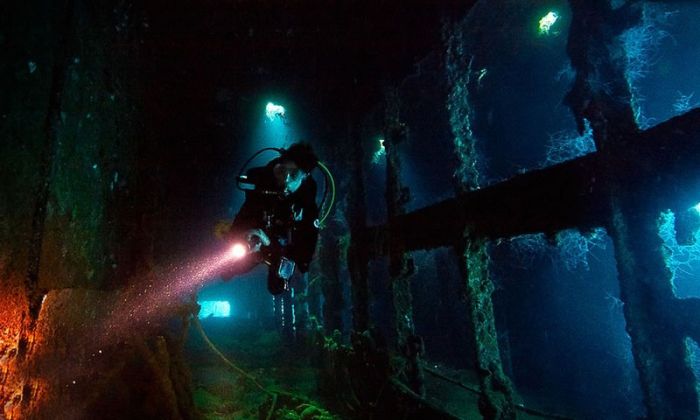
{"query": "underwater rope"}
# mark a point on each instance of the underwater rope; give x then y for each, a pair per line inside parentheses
(518, 406)
(225, 359)
(274, 394)
(236, 368)
(329, 177)
(250, 159)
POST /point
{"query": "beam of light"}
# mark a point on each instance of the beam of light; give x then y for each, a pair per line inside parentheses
(215, 309)
(153, 303)
(697, 207)
(547, 21)
(273, 111)
(151, 300)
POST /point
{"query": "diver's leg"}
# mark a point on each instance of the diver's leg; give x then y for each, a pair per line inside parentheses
(301, 306)
(288, 321)
(275, 284)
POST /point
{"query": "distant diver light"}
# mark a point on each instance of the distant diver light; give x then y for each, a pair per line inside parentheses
(547, 21)
(273, 111)
(379, 153)
(215, 309)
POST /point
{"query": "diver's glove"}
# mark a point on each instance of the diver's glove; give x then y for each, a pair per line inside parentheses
(256, 238)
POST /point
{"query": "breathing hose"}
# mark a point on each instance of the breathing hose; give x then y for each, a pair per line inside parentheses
(328, 177)
(331, 181)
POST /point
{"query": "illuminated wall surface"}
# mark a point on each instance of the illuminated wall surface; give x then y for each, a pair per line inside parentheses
(214, 308)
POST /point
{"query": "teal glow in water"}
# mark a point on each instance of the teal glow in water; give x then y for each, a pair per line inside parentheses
(379, 153)
(547, 21)
(214, 308)
(273, 111)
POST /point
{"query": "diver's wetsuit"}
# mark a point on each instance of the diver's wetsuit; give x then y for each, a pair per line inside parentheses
(289, 221)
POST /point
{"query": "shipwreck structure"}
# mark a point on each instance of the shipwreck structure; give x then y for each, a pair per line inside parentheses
(87, 217)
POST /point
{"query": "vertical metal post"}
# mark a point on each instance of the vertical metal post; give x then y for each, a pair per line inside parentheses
(496, 400)
(601, 95)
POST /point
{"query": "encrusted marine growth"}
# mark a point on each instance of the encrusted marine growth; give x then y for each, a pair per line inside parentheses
(601, 96)
(497, 393)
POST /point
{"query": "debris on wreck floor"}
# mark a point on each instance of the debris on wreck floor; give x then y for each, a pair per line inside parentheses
(273, 380)
(280, 383)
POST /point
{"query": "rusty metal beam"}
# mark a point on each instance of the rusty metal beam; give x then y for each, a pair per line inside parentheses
(662, 166)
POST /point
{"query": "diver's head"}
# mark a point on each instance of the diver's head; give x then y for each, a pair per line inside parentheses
(294, 166)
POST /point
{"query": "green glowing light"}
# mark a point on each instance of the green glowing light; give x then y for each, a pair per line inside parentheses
(482, 73)
(379, 153)
(547, 22)
(272, 111)
(214, 308)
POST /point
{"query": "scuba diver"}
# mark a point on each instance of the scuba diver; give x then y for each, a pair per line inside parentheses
(279, 219)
